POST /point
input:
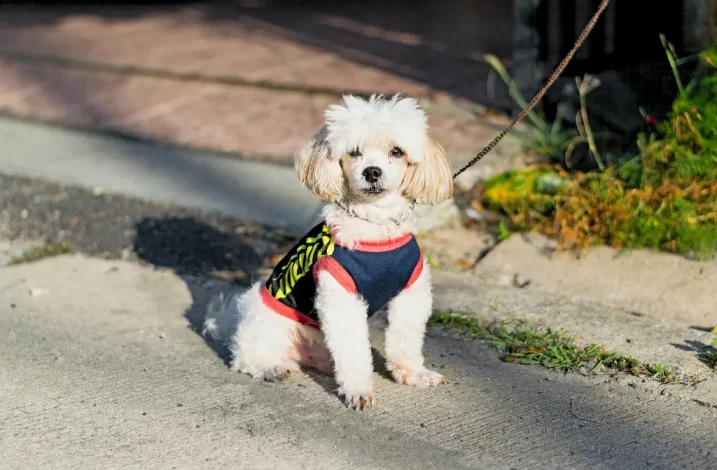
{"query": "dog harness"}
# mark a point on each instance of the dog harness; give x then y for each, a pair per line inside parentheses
(376, 270)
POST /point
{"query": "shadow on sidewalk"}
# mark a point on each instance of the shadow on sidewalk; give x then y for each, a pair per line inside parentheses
(212, 262)
(209, 260)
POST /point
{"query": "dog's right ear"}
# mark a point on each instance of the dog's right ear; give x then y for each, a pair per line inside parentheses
(317, 170)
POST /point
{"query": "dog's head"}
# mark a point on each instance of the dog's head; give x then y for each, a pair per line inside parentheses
(368, 149)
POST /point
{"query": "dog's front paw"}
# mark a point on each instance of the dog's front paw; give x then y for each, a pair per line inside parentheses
(276, 374)
(270, 374)
(421, 378)
(358, 400)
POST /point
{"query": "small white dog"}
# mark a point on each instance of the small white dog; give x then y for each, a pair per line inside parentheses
(373, 159)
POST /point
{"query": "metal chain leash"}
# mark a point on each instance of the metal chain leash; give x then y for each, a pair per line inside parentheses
(558, 71)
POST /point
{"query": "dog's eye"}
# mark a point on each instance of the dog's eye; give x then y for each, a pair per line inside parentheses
(355, 153)
(396, 152)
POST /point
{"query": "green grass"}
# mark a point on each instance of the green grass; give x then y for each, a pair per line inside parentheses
(531, 344)
(45, 251)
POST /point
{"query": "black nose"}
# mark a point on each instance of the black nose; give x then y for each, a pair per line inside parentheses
(372, 174)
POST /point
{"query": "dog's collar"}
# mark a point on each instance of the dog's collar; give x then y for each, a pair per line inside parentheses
(407, 214)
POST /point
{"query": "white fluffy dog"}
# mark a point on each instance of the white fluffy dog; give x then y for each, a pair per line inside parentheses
(373, 160)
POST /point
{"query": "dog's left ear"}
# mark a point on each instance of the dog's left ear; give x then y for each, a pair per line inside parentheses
(429, 181)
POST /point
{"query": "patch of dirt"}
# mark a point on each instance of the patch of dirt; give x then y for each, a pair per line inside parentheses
(455, 247)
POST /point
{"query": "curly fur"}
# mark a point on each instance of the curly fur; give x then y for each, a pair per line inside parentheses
(359, 135)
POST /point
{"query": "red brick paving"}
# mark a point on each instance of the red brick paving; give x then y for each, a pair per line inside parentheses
(254, 120)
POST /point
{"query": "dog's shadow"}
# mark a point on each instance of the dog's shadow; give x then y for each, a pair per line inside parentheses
(706, 353)
(219, 259)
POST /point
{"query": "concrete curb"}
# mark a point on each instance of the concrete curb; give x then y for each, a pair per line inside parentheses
(660, 286)
(649, 339)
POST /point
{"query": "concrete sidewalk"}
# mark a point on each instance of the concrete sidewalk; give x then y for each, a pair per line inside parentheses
(102, 368)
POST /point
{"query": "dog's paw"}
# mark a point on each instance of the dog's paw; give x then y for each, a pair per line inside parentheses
(276, 374)
(356, 399)
(270, 374)
(421, 378)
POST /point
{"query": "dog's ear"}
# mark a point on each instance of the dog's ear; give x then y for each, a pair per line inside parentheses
(429, 181)
(317, 170)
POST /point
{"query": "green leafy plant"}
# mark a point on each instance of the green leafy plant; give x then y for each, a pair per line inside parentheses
(504, 231)
(665, 198)
(684, 147)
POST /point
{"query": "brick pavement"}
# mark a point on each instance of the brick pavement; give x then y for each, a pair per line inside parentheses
(261, 78)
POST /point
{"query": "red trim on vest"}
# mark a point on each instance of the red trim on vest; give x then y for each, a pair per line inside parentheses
(416, 271)
(337, 271)
(286, 311)
(374, 246)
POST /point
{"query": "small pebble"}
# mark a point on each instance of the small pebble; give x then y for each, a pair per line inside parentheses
(519, 282)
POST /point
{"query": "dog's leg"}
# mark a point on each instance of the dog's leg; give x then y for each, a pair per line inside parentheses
(407, 315)
(343, 322)
(258, 339)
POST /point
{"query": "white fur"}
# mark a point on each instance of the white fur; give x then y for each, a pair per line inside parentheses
(243, 319)
(349, 230)
(408, 313)
(343, 322)
(355, 122)
(265, 344)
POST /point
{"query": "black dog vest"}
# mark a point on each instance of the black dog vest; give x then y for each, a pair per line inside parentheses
(376, 270)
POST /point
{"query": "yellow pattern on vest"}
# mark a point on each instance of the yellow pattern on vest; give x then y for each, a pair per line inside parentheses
(302, 262)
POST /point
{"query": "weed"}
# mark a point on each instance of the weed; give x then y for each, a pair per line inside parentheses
(665, 199)
(550, 140)
(532, 344)
(710, 357)
(504, 232)
(585, 86)
(45, 251)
